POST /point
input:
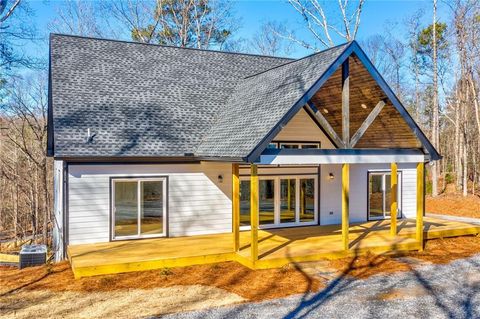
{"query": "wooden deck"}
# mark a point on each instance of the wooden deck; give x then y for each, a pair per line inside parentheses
(277, 247)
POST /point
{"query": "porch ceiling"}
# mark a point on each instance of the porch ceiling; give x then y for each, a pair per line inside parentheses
(388, 130)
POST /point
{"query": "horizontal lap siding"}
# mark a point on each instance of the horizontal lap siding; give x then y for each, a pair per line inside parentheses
(197, 202)
(331, 191)
(302, 128)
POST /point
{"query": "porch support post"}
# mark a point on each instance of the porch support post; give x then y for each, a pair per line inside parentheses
(346, 104)
(420, 203)
(236, 207)
(345, 204)
(394, 198)
(254, 212)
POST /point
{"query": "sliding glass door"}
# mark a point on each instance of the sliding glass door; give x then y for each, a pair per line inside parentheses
(379, 195)
(138, 208)
(283, 201)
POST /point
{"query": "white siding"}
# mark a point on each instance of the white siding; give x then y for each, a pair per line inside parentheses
(58, 210)
(197, 202)
(331, 191)
(302, 128)
(200, 204)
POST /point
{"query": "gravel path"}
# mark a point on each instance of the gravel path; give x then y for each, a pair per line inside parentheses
(432, 291)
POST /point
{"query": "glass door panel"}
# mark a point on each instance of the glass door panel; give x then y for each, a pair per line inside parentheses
(388, 194)
(245, 203)
(126, 216)
(376, 196)
(267, 201)
(307, 200)
(151, 207)
(287, 200)
(379, 196)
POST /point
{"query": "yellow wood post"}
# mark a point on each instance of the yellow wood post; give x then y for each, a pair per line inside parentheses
(236, 207)
(254, 212)
(393, 199)
(420, 201)
(345, 204)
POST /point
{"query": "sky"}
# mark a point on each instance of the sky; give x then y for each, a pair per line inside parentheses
(377, 15)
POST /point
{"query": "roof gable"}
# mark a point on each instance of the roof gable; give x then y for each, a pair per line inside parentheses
(262, 104)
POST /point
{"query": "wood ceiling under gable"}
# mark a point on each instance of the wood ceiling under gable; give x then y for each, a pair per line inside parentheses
(388, 130)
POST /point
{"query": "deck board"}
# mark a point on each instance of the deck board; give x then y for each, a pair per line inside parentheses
(277, 247)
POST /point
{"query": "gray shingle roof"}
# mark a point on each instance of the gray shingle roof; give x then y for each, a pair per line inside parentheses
(259, 103)
(140, 100)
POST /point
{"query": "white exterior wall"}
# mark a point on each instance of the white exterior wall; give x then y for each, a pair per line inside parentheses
(331, 191)
(58, 210)
(302, 128)
(197, 202)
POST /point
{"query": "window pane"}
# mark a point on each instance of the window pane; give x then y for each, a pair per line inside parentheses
(272, 145)
(375, 196)
(292, 146)
(388, 193)
(307, 199)
(287, 200)
(151, 207)
(245, 203)
(126, 217)
(266, 201)
(305, 146)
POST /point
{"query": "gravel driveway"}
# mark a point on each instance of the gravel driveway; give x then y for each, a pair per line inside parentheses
(432, 291)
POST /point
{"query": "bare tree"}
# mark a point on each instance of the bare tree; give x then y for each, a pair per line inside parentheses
(318, 20)
(184, 23)
(435, 112)
(268, 41)
(80, 18)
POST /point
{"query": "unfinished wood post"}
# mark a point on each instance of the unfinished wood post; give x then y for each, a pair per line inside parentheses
(346, 104)
(393, 199)
(420, 201)
(254, 212)
(345, 205)
(236, 207)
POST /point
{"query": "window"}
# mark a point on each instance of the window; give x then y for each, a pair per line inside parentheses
(379, 191)
(138, 208)
(283, 200)
(245, 203)
(287, 200)
(294, 145)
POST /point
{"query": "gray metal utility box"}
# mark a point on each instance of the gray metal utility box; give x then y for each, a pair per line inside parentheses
(33, 255)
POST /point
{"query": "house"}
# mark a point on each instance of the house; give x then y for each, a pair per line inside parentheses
(153, 141)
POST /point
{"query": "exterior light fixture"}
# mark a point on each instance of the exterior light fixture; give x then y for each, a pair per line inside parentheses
(363, 105)
(220, 178)
(330, 176)
(325, 111)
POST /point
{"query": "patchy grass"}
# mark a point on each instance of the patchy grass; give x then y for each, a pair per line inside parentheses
(454, 204)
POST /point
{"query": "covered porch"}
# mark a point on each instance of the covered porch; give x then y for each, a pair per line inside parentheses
(276, 247)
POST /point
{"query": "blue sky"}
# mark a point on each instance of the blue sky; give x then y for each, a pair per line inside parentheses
(376, 15)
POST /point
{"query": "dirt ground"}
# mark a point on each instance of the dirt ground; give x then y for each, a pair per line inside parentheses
(454, 204)
(53, 292)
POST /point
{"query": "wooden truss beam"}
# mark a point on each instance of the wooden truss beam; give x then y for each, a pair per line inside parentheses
(328, 128)
(366, 124)
(346, 104)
